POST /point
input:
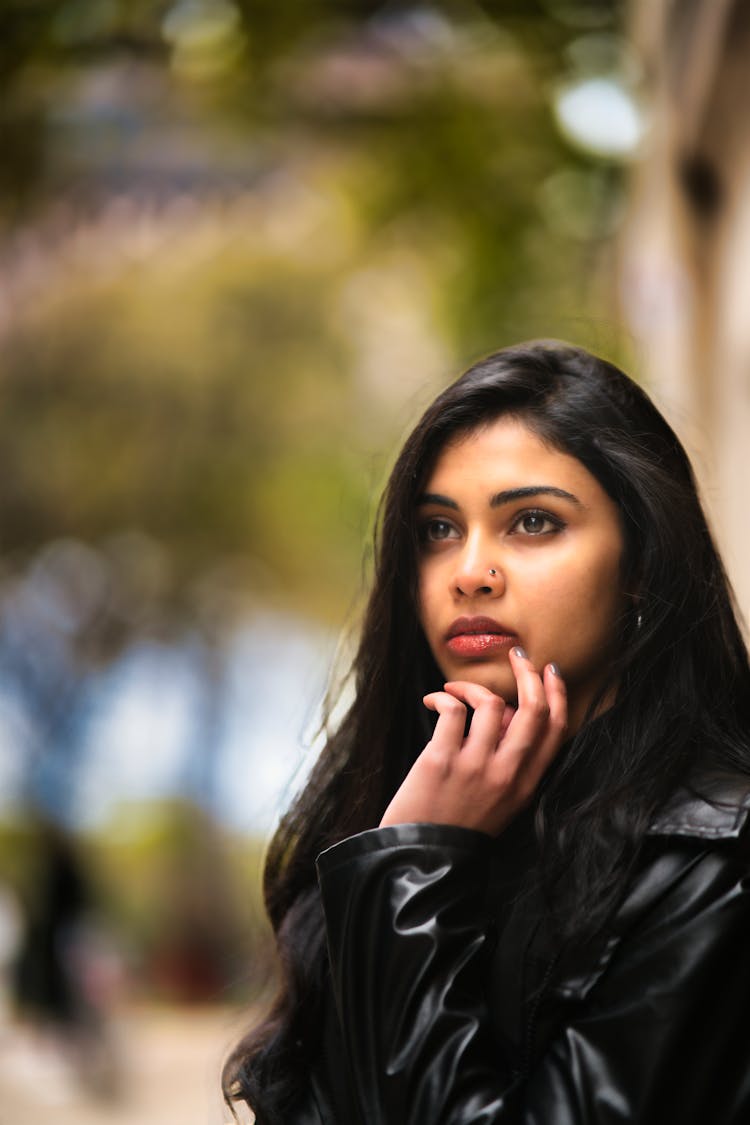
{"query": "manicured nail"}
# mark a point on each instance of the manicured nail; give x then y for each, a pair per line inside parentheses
(554, 669)
(518, 651)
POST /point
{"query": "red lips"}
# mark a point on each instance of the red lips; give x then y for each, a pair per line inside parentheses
(477, 638)
(470, 626)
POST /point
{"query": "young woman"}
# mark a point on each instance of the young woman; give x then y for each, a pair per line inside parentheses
(534, 875)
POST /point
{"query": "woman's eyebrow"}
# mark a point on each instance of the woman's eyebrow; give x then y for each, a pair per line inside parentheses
(436, 498)
(509, 495)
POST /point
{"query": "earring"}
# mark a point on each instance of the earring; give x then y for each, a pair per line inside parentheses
(493, 572)
(639, 621)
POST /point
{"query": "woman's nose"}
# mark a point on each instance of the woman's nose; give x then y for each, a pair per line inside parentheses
(476, 574)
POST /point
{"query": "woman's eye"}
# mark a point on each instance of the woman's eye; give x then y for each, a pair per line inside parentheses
(435, 530)
(537, 523)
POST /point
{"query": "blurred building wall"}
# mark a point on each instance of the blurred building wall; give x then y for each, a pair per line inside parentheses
(686, 248)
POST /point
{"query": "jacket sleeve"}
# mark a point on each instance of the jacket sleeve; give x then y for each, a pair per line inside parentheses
(407, 932)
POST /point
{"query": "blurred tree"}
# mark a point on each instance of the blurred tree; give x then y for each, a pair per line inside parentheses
(240, 244)
(369, 141)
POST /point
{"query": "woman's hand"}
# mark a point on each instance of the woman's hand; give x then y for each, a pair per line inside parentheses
(483, 780)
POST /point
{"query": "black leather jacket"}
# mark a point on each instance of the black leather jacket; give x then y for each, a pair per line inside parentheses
(454, 1006)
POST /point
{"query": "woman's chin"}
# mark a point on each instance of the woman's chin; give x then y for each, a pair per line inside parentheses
(499, 680)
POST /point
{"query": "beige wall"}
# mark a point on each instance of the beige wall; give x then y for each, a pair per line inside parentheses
(685, 252)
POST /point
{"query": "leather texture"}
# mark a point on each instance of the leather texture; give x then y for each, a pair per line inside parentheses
(455, 1006)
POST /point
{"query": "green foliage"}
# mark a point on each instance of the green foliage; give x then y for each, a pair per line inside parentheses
(209, 379)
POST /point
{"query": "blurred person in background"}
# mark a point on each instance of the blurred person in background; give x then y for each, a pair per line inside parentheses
(532, 901)
(11, 931)
(55, 975)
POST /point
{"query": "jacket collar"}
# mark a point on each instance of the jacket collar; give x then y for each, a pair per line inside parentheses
(714, 808)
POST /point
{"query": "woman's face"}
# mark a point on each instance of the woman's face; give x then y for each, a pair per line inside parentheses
(520, 545)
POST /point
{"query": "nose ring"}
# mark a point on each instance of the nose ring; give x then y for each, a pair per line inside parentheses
(493, 572)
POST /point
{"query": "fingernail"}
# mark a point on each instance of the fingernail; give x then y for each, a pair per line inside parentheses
(554, 669)
(518, 651)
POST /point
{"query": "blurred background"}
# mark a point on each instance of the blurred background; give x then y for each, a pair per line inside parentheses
(242, 244)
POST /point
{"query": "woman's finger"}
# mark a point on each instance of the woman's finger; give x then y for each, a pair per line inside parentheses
(536, 731)
(555, 727)
(448, 734)
(557, 696)
(508, 714)
(530, 722)
(473, 694)
(487, 722)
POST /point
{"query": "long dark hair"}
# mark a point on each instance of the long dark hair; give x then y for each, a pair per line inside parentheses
(681, 680)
